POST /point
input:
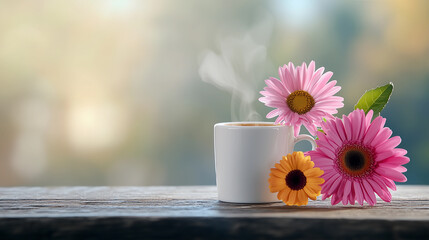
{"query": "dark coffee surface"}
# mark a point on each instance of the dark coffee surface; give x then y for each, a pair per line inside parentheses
(253, 124)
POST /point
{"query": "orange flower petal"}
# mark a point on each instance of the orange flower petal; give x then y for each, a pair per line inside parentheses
(289, 166)
(276, 184)
(284, 193)
(275, 188)
(315, 180)
(313, 172)
(296, 160)
(286, 165)
(278, 173)
(315, 188)
(310, 193)
(309, 190)
(308, 163)
(302, 198)
(277, 181)
(280, 167)
(300, 164)
(292, 198)
(291, 161)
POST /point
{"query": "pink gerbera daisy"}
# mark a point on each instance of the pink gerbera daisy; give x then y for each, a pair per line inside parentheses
(302, 96)
(359, 159)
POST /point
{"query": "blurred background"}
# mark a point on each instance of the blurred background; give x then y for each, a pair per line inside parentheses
(120, 92)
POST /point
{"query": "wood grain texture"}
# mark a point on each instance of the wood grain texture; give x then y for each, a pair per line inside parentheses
(194, 213)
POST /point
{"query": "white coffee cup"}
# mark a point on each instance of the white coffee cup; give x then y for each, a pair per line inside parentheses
(244, 154)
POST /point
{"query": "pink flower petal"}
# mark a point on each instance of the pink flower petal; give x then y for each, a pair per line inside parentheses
(368, 119)
(327, 185)
(278, 120)
(273, 113)
(380, 189)
(328, 174)
(358, 192)
(330, 103)
(373, 130)
(292, 78)
(399, 152)
(308, 76)
(325, 196)
(286, 78)
(321, 83)
(328, 152)
(361, 126)
(348, 127)
(335, 200)
(333, 133)
(382, 137)
(311, 128)
(278, 85)
(384, 155)
(323, 163)
(276, 104)
(325, 146)
(370, 193)
(272, 87)
(391, 174)
(400, 169)
(366, 197)
(339, 191)
(395, 167)
(267, 93)
(387, 196)
(329, 94)
(347, 190)
(356, 123)
(296, 130)
(352, 196)
(389, 183)
(325, 89)
(391, 142)
(400, 160)
(322, 138)
(300, 70)
(340, 128)
(302, 75)
(316, 79)
(335, 186)
(317, 155)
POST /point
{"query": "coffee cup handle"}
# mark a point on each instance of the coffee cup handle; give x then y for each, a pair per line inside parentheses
(305, 137)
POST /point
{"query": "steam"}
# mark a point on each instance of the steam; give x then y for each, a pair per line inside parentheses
(237, 69)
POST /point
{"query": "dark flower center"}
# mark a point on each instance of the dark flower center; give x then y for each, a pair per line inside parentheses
(300, 102)
(354, 160)
(296, 180)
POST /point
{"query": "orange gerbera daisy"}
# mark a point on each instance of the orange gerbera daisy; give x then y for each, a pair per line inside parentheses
(296, 179)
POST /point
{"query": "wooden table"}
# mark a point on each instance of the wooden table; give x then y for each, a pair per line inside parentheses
(194, 212)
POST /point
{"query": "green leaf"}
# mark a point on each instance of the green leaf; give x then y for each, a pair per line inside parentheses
(375, 99)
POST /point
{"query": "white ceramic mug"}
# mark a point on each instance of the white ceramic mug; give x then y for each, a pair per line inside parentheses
(244, 154)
